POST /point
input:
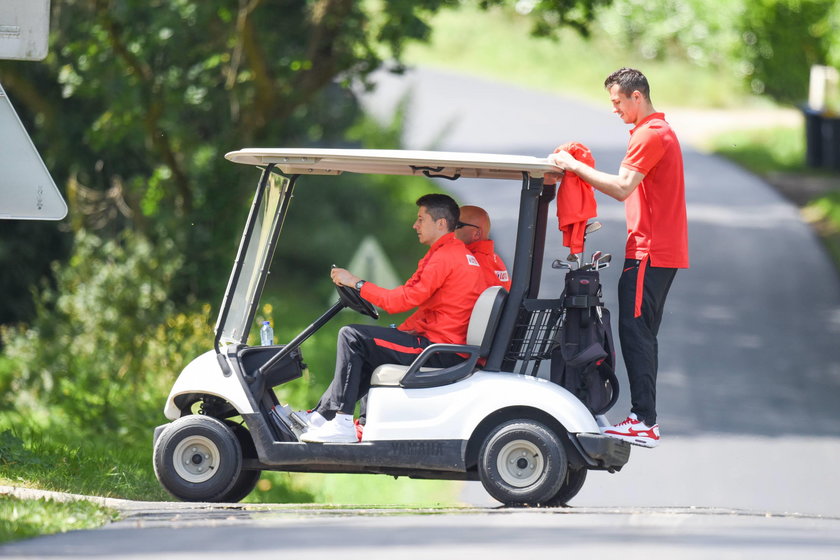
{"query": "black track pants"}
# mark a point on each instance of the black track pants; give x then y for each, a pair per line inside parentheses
(361, 349)
(640, 310)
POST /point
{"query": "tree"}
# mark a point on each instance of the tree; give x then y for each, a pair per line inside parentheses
(138, 100)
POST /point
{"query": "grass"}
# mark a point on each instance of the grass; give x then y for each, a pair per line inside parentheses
(21, 519)
(497, 44)
(361, 490)
(764, 151)
(48, 458)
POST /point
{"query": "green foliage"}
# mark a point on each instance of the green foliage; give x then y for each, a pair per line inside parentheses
(549, 16)
(496, 44)
(102, 335)
(689, 30)
(782, 39)
(21, 519)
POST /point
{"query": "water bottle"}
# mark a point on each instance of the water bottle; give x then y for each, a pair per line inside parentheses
(266, 334)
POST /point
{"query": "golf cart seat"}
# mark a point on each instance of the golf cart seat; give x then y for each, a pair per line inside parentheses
(480, 332)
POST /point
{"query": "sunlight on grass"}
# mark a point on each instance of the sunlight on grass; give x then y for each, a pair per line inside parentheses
(763, 150)
(21, 519)
(497, 44)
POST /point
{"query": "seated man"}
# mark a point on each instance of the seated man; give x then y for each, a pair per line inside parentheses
(444, 289)
(474, 230)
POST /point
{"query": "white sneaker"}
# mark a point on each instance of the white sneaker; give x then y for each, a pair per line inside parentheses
(338, 430)
(310, 418)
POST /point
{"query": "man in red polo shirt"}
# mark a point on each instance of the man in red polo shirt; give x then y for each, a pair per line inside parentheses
(444, 289)
(474, 230)
(650, 181)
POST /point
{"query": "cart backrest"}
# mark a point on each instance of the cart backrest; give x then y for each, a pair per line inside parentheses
(485, 318)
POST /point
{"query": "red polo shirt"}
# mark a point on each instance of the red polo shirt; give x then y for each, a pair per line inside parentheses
(657, 227)
(444, 288)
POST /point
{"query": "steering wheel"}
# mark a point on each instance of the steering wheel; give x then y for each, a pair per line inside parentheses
(351, 298)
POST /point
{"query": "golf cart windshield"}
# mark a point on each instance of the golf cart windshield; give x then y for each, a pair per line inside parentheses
(253, 258)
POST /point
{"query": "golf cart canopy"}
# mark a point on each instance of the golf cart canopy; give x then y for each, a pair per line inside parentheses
(449, 165)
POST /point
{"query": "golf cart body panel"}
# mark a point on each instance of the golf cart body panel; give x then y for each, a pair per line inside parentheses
(442, 429)
(454, 411)
(204, 376)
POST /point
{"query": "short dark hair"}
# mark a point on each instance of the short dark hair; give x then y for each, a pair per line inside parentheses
(628, 80)
(441, 206)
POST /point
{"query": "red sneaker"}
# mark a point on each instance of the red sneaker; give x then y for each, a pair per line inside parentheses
(635, 431)
(360, 428)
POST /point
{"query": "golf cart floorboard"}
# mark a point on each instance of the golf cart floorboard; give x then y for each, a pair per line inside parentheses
(437, 455)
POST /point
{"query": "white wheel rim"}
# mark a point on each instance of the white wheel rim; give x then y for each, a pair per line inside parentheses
(196, 459)
(520, 463)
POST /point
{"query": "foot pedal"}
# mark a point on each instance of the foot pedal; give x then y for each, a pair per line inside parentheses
(281, 415)
(300, 423)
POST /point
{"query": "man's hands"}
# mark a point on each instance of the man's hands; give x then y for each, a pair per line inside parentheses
(562, 159)
(343, 277)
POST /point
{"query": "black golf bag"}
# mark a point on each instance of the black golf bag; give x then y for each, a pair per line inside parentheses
(583, 358)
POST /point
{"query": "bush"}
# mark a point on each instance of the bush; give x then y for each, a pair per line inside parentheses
(781, 40)
(101, 337)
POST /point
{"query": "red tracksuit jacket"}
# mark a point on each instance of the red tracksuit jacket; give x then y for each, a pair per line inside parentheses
(444, 288)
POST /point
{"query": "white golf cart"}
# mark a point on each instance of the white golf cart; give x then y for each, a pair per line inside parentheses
(528, 440)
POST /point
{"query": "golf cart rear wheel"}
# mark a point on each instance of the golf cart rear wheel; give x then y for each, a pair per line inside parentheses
(198, 459)
(572, 484)
(522, 462)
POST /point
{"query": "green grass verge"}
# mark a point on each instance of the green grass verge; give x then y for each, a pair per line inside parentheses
(363, 490)
(497, 44)
(764, 151)
(22, 519)
(47, 458)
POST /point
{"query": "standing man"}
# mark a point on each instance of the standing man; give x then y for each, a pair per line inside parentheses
(650, 181)
(474, 230)
(444, 289)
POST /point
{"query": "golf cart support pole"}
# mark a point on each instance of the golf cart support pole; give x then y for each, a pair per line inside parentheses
(527, 265)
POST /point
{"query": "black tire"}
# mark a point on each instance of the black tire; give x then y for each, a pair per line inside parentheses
(522, 462)
(572, 484)
(244, 485)
(247, 479)
(198, 459)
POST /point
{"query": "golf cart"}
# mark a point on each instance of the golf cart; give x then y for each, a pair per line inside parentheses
(490, 418)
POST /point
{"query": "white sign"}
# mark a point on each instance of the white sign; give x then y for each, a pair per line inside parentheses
(27, 191)
(24, 29)
(371, 263)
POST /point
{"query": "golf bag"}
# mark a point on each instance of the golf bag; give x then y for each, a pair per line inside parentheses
(583, 358)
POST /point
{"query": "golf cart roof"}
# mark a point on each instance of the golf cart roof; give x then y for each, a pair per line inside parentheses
(452, 165)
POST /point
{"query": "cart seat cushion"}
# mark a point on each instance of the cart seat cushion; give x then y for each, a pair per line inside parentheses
(390, 375)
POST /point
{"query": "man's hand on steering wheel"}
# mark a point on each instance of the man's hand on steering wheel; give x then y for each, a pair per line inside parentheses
(343, 277)
(345, 283)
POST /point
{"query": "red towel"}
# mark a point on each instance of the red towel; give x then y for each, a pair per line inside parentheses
(575, 200)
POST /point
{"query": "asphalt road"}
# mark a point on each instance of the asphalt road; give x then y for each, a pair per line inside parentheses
(749, 375)
(748, 390)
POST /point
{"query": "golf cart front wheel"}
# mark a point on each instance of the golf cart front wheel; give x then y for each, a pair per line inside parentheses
(198, 459)
(522, 462)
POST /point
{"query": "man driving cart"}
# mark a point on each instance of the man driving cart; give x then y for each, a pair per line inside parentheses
(444, 288)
